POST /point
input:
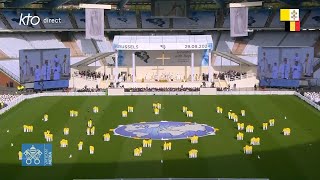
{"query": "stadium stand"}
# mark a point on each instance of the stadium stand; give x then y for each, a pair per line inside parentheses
(41, 40)
(262, 39)
(7, 98)
(313, 20)
(256, 18)
(304, 38)
(2, 25)
(79, 18)
(85, 45)
(313, 96)
(10, 44)
(122, 20)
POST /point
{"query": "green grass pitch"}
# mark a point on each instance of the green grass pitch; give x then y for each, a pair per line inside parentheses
(292, 157)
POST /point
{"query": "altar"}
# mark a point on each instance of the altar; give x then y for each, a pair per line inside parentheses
(162, 52)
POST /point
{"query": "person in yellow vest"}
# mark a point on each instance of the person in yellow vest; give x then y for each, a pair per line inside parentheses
(76, 113)
(248, 128)
(184, 109)
(80, 145)
(20, 155)
(30, 128)
(154, 105)
(156, 111)
(136, 152)
(149, 143)
(286, 131)
(62, 143)
(235, 118)
(50, 137)
(243, 113)
(242, 126)
(191, 114)
(91, 149)
(218, 109)
(221, 110)
(194, 139)
(169, 146)
(66, 131)
(45, 117)
(88, 131)
(71, 113)
(257, 141)
(90, 123)
(140, 150)
(239, 126)
(144, 143)
(46, 135)
(271, 122)
(165, 146)
(92, 130)
(253, 141)
(124, 114)
(240, 136)
(191, 153)
(24, 128)
(265, 126)
(158, 105)
(106, 137)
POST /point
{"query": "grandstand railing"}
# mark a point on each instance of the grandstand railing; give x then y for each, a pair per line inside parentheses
(9, 73)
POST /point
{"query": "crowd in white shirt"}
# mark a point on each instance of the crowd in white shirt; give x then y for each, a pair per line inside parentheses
(313, 96)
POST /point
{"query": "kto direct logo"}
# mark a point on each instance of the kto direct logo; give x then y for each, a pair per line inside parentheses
(35, 20)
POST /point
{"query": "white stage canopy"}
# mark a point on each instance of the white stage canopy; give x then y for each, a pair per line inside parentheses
(132, 44)
(178, 42)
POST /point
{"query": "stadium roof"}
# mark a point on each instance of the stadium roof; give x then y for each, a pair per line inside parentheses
(122, 3)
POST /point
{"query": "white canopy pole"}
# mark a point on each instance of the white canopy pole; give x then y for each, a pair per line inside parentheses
(133, 71)
(192, 66)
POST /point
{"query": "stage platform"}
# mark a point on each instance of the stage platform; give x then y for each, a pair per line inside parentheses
(162, 84)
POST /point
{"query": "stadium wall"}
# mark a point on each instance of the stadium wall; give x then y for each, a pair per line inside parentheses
(25, 97)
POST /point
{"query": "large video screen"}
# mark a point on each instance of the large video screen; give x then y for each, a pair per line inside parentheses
(40, 65)
(293, 63)
(169, 8)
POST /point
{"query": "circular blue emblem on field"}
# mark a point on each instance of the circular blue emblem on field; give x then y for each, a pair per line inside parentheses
(164, 130)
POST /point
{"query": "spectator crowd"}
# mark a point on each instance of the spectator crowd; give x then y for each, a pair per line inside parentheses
(167, 89)
(313, 96)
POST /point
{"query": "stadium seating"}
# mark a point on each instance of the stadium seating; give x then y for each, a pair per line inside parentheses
(80, 19)
(12, 65)
(10, 44)
(313, 19)
(256, 18)
(43, 40)
(262, 39)
(2, 26)
(303, 38)
(7, 98)
(86, 45)
(313, 96)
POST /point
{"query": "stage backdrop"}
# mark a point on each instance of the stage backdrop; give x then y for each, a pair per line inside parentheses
(291, 63)
(173, 58)
(40, 65)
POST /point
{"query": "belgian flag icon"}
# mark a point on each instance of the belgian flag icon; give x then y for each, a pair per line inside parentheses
(292, 26)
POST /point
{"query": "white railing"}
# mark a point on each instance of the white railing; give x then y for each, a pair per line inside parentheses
(24, 97)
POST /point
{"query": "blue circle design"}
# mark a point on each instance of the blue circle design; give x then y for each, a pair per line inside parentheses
(164, 130)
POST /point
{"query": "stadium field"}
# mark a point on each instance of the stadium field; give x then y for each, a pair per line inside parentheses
(281, 157)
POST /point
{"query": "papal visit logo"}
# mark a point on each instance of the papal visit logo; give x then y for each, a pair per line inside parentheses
(36, 154)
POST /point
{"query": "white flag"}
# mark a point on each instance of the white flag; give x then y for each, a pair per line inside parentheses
(94, 24)
(239, 22)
